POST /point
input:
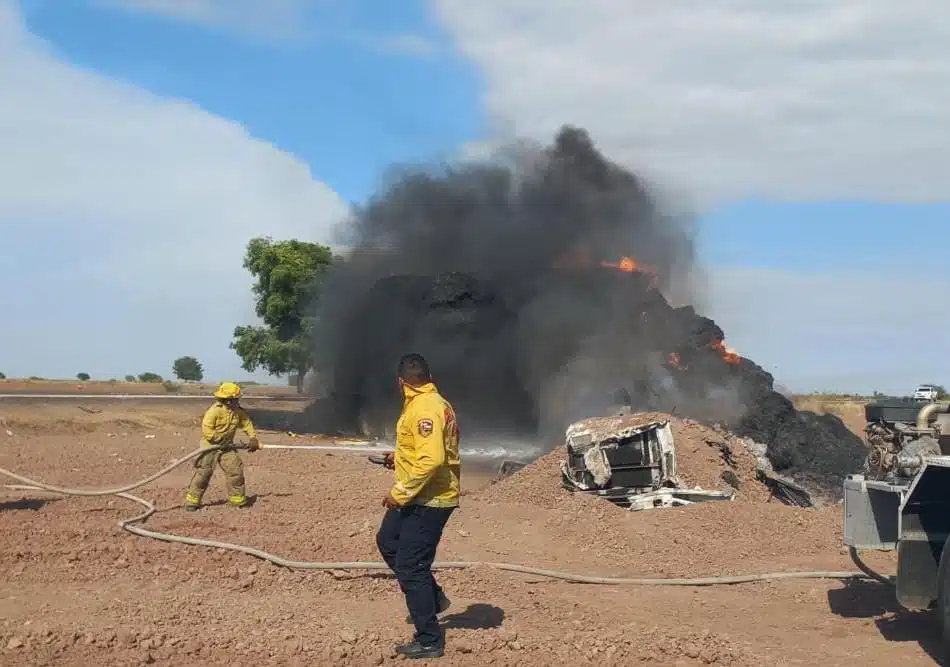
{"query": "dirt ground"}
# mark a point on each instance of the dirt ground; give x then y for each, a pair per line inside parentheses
(77, 590)
(850, 411)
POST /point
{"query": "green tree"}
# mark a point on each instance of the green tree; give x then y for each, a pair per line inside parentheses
(942, 394)
(130, 378)
(188, 369)
(150, 377)
(288, 276)
(82, 377)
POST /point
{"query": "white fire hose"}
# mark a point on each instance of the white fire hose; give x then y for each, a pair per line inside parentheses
(133, 525)
(334, 448)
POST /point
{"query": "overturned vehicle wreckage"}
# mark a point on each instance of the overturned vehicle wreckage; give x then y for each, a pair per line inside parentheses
(629, 460)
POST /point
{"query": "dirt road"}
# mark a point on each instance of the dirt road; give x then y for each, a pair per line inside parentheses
(78, 591)
(99, 387)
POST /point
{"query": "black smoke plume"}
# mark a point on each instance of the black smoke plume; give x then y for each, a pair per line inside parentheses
(495, 272)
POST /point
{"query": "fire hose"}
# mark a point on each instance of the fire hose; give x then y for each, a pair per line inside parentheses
(133, 525)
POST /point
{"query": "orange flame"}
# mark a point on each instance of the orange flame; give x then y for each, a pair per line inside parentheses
(626, 264)
(728, 355)
(630, 265)
(673, 359)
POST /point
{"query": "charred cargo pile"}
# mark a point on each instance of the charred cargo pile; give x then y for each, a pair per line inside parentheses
(535, 286)
(667, 360)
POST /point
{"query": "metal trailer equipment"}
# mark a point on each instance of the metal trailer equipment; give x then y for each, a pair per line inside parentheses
(902, 501)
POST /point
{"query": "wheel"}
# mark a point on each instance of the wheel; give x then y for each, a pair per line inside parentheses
(943, 597)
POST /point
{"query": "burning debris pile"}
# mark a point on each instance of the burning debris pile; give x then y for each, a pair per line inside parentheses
(506, 276)
(706, 457)
(633, 461)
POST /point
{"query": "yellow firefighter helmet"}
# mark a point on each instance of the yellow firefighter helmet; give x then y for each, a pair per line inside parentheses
(227, 391)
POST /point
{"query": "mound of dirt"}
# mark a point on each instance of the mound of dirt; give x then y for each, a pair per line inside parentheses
(68, 418)
(706, 456)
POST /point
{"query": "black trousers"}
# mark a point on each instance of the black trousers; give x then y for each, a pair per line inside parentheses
(408, 539)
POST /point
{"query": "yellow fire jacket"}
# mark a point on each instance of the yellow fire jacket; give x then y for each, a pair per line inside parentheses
(427, 462)
(220, 424)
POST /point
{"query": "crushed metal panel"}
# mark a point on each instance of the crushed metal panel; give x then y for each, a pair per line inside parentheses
(507, 468)
(674, 498)
(781, 488)
(598, 429)
(664, 435)
(596, 463)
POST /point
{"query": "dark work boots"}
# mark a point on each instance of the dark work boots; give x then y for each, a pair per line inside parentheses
(416, 651)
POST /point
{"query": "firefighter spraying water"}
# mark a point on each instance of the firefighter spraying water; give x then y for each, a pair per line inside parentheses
(218, 428)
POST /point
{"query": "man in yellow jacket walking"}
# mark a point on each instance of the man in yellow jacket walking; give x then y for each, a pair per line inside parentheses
(218, 428)
(426, 491)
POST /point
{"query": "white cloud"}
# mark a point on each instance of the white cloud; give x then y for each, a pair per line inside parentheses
(723, 99)
(729, 98)
(124, 216)
(845, 331)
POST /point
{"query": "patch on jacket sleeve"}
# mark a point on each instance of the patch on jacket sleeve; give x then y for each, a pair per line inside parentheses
(425, 427)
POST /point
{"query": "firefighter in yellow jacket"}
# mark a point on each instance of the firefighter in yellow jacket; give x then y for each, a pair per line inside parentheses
(425, 493)
(218, 428)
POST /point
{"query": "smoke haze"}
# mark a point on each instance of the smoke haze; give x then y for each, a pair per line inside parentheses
(506, 222)
(494, 271)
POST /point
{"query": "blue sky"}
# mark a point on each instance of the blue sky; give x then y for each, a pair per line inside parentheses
(135, 124)
(345, 108)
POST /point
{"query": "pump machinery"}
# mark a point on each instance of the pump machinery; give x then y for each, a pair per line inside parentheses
(901, 501)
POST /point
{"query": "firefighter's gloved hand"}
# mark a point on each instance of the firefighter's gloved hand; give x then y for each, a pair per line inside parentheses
(253, 445)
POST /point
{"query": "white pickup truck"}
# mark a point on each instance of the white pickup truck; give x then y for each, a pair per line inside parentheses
(925, 392)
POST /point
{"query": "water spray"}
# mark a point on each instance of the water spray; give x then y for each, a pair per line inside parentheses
(333, 448)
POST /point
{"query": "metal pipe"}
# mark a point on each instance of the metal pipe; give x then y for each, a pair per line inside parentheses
(923, 417)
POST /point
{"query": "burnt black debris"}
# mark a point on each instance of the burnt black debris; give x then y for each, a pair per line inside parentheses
(624, 332)
(509, 276)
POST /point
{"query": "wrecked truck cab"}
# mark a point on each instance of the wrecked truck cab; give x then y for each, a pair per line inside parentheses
(629, 460)
(620, 451)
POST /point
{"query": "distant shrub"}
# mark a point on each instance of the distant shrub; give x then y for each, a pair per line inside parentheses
(150, 377)
(130, 378)
(37, 378)
(2, 376)
(188, 369)
(83, 377)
